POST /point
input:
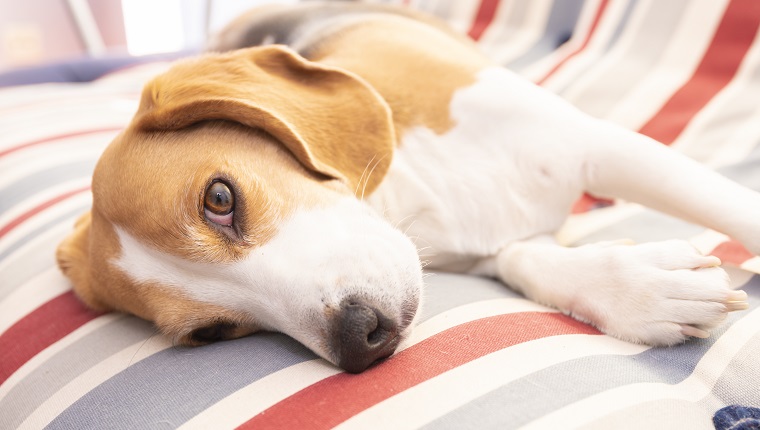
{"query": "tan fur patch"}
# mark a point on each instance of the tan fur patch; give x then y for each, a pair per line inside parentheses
(417, 79)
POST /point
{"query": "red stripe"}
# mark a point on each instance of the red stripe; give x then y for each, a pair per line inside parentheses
(7, 151)
(719, 65)
(594, 24)
(732, 253)
(43, 327)
(587, 203)
(333, 400)
(39, 208)
(483, 19)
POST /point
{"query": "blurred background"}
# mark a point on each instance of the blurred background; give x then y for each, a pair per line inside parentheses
(34, 32)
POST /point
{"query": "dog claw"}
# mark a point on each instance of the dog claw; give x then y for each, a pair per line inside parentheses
(737, 306)
(737, 296)
(688, 330)
(710, 261)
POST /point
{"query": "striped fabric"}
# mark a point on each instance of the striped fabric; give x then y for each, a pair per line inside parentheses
(684, 72)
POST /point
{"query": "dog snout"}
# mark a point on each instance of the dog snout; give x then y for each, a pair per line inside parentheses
(364, 335)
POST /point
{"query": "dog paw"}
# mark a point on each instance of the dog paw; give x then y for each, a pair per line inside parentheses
(657, 293)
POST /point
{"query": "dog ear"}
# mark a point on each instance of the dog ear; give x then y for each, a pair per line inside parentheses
(333, 121)
(73, 255)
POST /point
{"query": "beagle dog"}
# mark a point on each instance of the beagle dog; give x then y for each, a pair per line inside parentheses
(292, 186)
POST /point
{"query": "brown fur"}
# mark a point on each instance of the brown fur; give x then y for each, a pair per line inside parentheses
(286, 132)
(417, 79)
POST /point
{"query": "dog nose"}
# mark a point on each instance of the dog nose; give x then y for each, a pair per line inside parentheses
(364, 335)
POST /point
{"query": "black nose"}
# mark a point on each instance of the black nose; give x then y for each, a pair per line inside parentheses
(364, 336)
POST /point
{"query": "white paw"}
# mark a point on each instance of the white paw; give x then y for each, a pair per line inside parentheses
(657, 293)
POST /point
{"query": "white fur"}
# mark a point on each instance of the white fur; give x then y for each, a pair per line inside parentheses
(496, 177)
(483, 197)
(316, 259)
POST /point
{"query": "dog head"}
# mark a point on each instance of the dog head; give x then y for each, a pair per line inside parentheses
(229, 205)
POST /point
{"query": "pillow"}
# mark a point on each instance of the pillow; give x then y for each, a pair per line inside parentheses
(481, 356)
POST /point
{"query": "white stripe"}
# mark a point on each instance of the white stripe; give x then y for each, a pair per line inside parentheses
(255, 398)
(12, 98)
(52, 155)
(38, 249)
(540, 68)
(752, 265)
(711, 239)
(585, 87)
(106, 106)
(22, 301)
(27, 130)
(679, 61)
(716, 135)
(497, 28)
(26, 203)
(49, 352)
(577, 65)
(708, 240)
(698, 385)
(462, 14)
(39, 158)
(82, 100)
(578, 226)
(92, 378)
(470, 312)
(737, 141)
(521, 39)
(444, 393)
(47, 215)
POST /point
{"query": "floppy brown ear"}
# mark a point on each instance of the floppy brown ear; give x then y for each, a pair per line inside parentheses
(73, 255)
(330, 119)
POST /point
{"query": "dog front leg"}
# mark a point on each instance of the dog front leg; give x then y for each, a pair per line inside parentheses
(656, 293)
(636, 168)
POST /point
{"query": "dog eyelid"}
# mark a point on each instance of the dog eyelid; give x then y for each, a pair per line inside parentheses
(224, 220)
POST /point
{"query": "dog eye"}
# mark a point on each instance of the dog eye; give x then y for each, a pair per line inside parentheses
(219, 203)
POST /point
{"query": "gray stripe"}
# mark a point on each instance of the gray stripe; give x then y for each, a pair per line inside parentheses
(68, 364)
(619, 29)
(661, 21)
(532, 396)
(559, 28)
(649, 226)
(440, 8)
(36, 259)
(732, 388)
(172, 386)
(446, 291)
(43, 180)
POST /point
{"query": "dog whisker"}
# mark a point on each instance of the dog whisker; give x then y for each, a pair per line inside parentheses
(366, 181)
(359, 182)
(132, 359)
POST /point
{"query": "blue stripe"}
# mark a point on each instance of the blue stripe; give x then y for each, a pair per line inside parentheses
(559, 28)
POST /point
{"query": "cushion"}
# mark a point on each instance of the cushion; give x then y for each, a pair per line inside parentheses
(685, 73)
